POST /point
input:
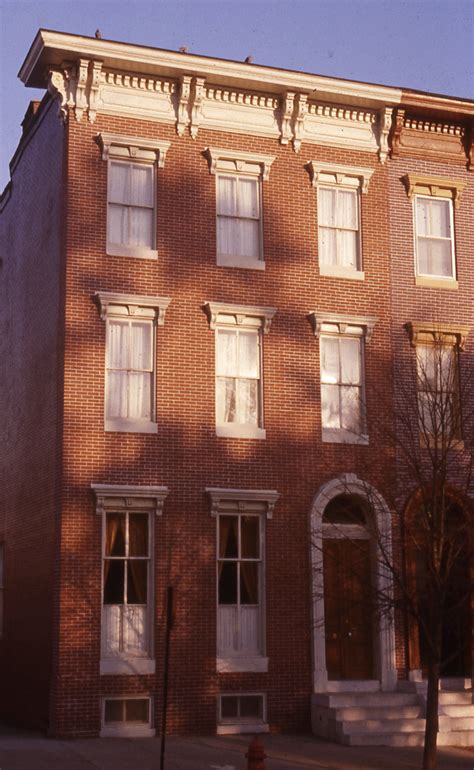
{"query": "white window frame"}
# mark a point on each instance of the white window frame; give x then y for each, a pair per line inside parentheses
(240, 165)
(132, 150)
(341, 177)
(126, 499)
(134, 309)
(434, 276)
(241, 726)
(238, 502)
(240, 318)
(127, 729)
(338, 325)
(125, 249)
(340, 270)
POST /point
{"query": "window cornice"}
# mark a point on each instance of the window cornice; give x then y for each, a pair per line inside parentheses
(214, 310)
(421, 332)
(215, 155)
(133, 148)
(120, 497)
(106, 302)
(433, 185)
(317, 318)
(338, 174)
(242, 501)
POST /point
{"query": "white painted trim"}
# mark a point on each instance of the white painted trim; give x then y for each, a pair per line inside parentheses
(243, 728)
(133, 148)
(241, 314)
(339, 271)
(247, 263)
(215, 156)
(225, 500)
(129, 426)
(432, 276)
(127, 731)
(226, 665)
(240, 431)
(109, 302)
(340, 174)
(129, 666)
(349, 483)
(115, 497)
(319, 317)
(343, 436)
(119, 250)
(434, 282)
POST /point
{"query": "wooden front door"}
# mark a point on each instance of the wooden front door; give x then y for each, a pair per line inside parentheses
(347, 609)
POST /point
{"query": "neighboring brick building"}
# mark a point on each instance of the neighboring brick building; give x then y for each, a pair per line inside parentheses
(164, 419)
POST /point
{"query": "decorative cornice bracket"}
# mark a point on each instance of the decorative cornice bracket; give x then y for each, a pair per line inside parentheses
(384, 127)
(318, 318)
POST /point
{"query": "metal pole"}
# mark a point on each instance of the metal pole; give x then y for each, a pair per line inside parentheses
(169, 626)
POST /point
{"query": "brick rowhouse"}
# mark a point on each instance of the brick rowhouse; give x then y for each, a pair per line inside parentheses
(168, 416)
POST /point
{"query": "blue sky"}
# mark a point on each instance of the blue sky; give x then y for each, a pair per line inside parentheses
(423, 44)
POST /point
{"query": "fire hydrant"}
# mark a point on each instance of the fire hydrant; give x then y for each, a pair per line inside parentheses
(256, 754)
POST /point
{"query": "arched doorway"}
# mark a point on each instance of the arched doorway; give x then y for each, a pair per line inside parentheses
(353, 643)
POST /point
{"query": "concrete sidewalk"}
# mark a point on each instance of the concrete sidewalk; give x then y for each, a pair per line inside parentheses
(31, 751)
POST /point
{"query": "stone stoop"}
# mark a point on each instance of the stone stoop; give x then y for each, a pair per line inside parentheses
(391, 718)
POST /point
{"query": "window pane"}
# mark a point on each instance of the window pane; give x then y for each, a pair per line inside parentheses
(228, 582)
(350, 361)
(117, 224)
(330, 406)
(138, 534)
(114, 581)
(226, 401)
(117, 395)
(249, 238)
(327, 246)
(229, 707)
(115, 534)
(136, 710)
(248, 198)
(227, 353)
(422, 216)
(250, 537)
(119, 182)
(141, 346)
(141, 228)
(247, 402)
(248, 354)
(425, 355)
(228, 537)
(249, 582)
(137, 583)
(347, 209)
(348, 248)
(228, 236)
(439, 257)
(329, 359)
(439, 218)
(226, 195)
(118, 340)
(141, 185)
(446, 360)
(326, 207)
(251, 706)
(350, 407)
(114, 711)
(139, 402)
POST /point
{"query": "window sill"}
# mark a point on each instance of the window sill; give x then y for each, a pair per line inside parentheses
(436, 283)
(127, 666)
(341, 436)
(243, 728)
(230, 665)
(336, 271)
(240, 431)
(118, 250)
(129, 426)
(250, 263)
(455, 445)
(127, 731)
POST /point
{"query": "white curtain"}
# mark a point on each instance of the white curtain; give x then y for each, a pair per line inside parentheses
(238, 630)
(350, 361)
(130, 364)
(330, 359)
(131, 204)
(124, 629)
(238, 216)
(237, 377)
(118, 354)
(338, 227)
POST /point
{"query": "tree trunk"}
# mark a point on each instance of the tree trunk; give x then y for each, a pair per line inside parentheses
(431, 730)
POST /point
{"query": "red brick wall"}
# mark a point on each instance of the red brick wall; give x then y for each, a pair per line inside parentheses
(31, 282)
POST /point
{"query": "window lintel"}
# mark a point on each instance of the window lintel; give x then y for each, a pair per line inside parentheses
(215, 311)
(423, 332)
(107, 302)
(216, 155)
(366, 323)
(434, 186)
(242, 501)
(123, 497)
(338, 174)
(133, 148)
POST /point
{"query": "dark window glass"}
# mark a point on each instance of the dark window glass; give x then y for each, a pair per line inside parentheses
(248, 582)
(345, 509)
(250, 537)
(113, 711)
(114, 582)
(138, 534)
(115, 535)
(229, 707)
(228, 583)
(136, 710)
(137, 581)
(251, 706)
(228, 537)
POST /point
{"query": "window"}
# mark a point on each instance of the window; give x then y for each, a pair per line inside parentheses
(339, 221)
(1, 587)
(127, 576)
(434, 237)
(239, 392)
(130, 360)
(131, 195)
(127, 717)
(433, 201)
(240, 518)
(242, 713)
(239, 206)
(342, 375)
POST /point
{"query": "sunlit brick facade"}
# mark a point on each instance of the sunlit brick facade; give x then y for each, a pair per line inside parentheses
(208, 268)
